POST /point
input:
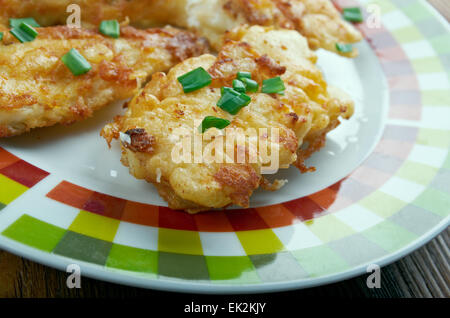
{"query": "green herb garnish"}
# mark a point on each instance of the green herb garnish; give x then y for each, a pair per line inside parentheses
(273, 85)
(76, 62)
(233, 101)
(211, 121)
(110, 28)
(195, 80)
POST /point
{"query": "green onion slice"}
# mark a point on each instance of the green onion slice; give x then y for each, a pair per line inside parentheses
(241, 75)
(344, 48)
(211, 121)
(233, 101)
(353, 14)
(15, 23)
(239, 86)
(76, 62)
(110, 28)
(250, 85)
(1, 36)
(24, 32)
(273, 85)
(194, 80)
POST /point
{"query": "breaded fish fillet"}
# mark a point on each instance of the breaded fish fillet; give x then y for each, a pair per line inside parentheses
(38, 90)
(318, 20)
(306, 112)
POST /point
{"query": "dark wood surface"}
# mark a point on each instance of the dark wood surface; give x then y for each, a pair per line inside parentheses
(443, 6)
(424, 273)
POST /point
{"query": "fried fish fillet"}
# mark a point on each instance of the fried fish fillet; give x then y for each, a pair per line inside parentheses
(38, 90)
(318, 20)
(303, 115)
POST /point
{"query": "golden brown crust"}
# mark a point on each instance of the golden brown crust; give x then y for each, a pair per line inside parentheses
(240, 180)
(251, 13)
(185, 45)
(269, 66)
(314, 143)
(38, 90)
(318, 20)
(306, 112)
(140, 141)
(175, 201)
(116, 72)
(224, 70)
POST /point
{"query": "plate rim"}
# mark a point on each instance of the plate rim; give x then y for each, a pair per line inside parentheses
(121, 277)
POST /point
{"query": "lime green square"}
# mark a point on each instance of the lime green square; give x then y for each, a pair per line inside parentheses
(407, 34)
(10, 190)
(434, 201)
(385, 6)
(260, 242)
(417, 172)
(440, 43)
(95, 225)
(382, 204)
(320, 260)
(417, 11)
(436, 98)
(434, 137)
(427, 65)
(36, 233)
(133, 259)
(329, 228)
(389, 236)
(179, 242)
(231, 269)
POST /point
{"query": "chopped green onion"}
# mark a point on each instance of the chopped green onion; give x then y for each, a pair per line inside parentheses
(1, 36)
(211, 121)
(76, 62)
(353, 14)
(239, 86)
(24, 33)
(110, 28)
(241, 75)
(273, 85)
(233, 101)
(250, 85)
(226, 90)
(195, 80)
(15, 23)
(344, 48)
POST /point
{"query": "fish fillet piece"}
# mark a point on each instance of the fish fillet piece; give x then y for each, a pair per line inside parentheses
(38, 90)
(318, 20)
(306, 112)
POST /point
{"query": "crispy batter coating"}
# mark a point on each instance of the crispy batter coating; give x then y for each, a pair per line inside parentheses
(38, 90)
(306, 112)
(318, 20)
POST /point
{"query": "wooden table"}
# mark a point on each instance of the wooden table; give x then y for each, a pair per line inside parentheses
(424, 273)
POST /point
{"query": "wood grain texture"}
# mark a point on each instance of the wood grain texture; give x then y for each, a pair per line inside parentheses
(424, 273)
(443, 6)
